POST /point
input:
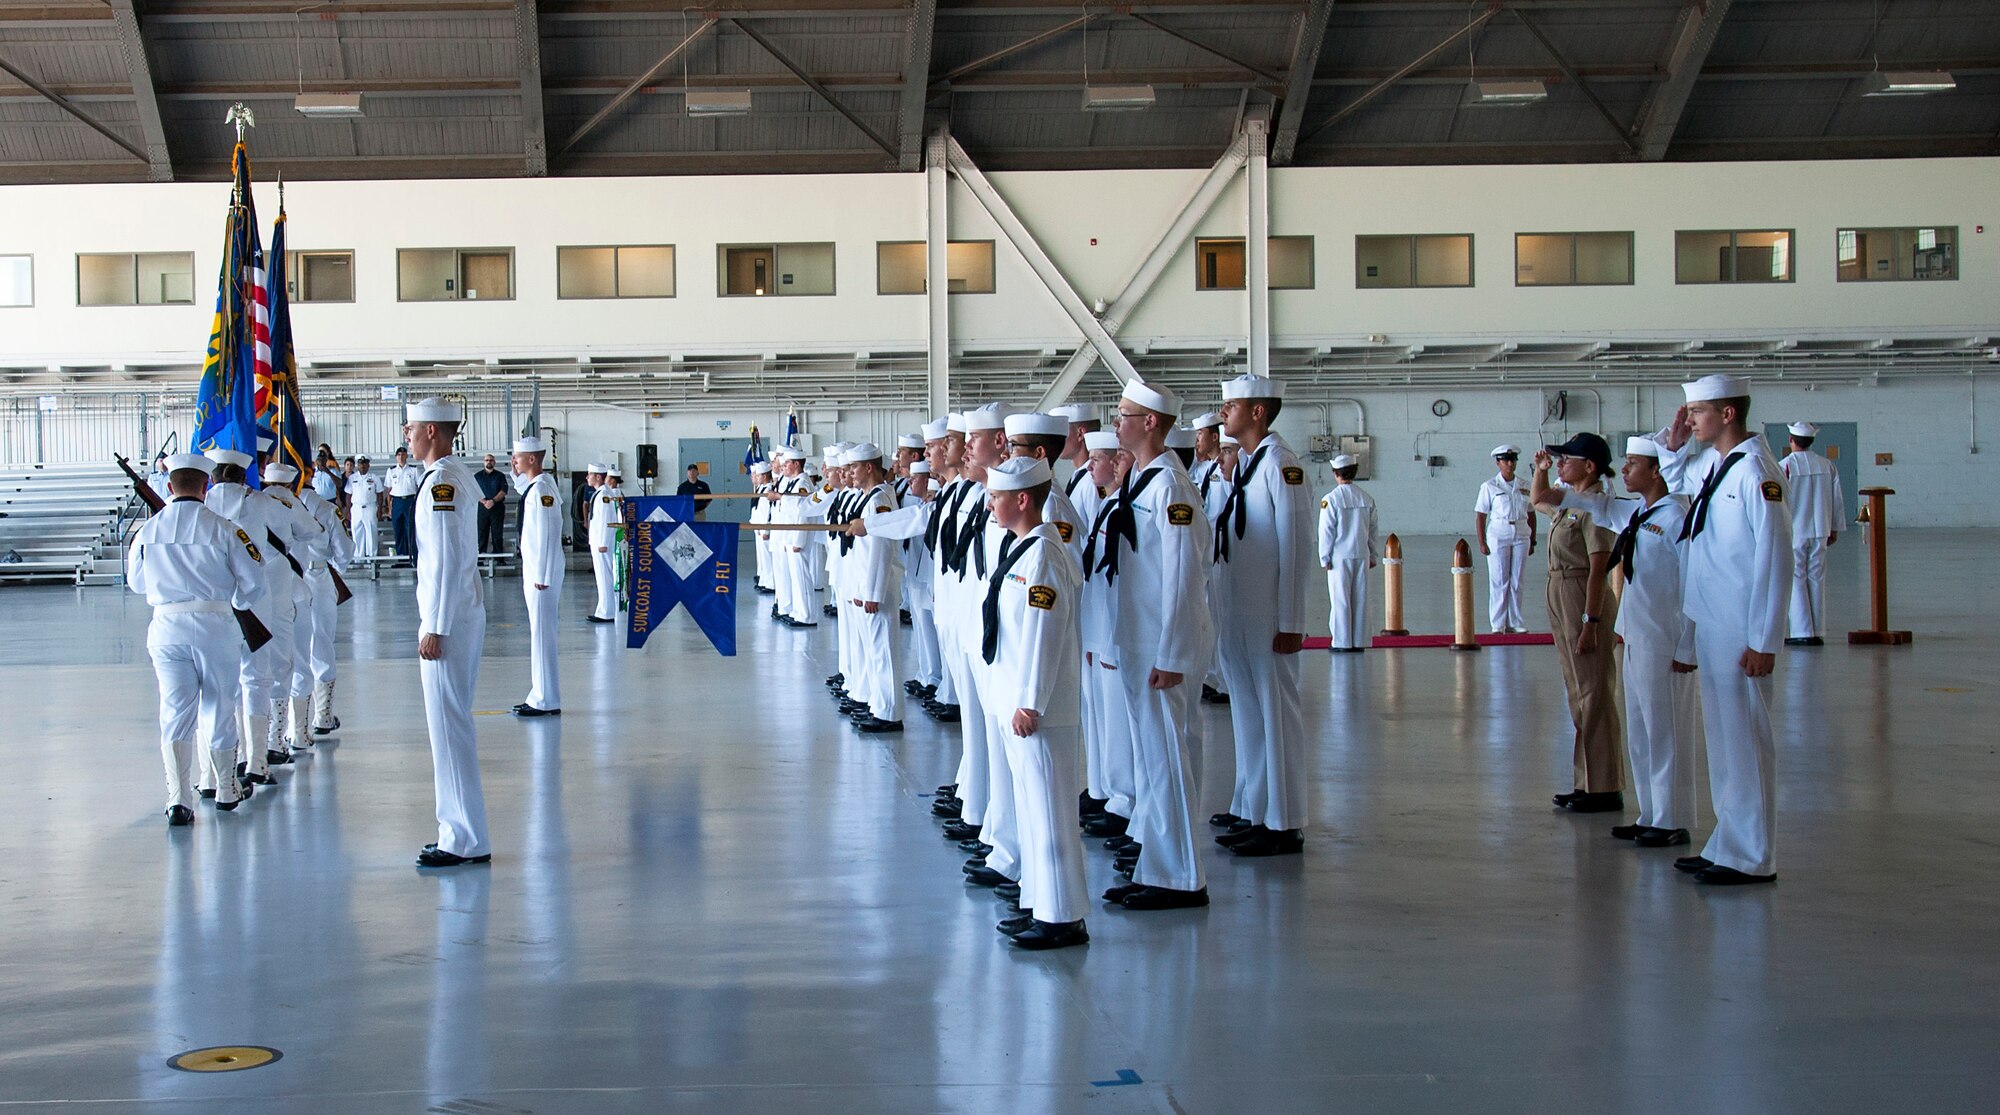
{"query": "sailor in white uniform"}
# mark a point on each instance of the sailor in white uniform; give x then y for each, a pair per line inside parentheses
(760, 515)
(291, 706)
(337, 550)
(1042, 437)
(1813, 491)
(798, 551)
(607, 511)
(1506, 536)
(873, 572)
(195, 568)
(263, 519)
(542, 566)
(926, 671)
(1662, 699)
(1107, 727)
(451, 631)
(364, 506)
(988, 796)
(1736, 574)
(1029, 642)
(1349, 546)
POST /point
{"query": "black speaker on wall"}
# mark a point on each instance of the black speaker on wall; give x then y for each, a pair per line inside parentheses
(649, 462)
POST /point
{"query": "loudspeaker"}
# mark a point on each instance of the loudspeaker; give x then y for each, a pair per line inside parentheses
(649, 462)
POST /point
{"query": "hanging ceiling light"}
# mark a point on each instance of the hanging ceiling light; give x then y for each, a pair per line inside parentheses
(1907, 83)
(1505, 94)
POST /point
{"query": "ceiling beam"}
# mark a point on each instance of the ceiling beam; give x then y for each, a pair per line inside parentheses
(1660, 116)
(64, 103)
(145, 100)
(1618, 127)
(1309, 35)
(1389, 82)
(917, 39)
(1207, 48)
(1012, 49)
(818, 88)
(528, 56)
(627, 93)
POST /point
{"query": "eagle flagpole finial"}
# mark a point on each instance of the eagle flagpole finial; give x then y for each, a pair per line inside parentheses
(239, 114)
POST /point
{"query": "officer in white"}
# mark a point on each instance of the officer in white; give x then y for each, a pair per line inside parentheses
(1029, 633)
(160, 479)
(1662, 700)
(606, 512)
(338, 550)
(194, 567)
(1349, 546)
(1506, 536)
(263, 519)
(1159, 560)
(542, 562)
(364, 500)
(760, 515)
(798, 497)
(291, 705)
(1264, 554)
(1813, 491)
(873, 572)
(1736, 574)
(451, 630)
(402, 480)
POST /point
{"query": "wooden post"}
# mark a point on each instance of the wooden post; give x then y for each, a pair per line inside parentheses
(1462, 637)
(1877, 517)
(1392, 587)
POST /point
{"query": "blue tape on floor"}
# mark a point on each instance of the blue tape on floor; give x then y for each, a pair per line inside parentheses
(1125, 1076)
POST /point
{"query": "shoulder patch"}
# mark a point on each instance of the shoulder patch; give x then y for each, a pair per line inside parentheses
(1041, 596)
(881, 509)
(1180, 514)
(548, 501)
(1067, 530)
(1294, 474)
(1774, 491)
(244, 537)
(442, 493)
(604, 499)
(1322, 505)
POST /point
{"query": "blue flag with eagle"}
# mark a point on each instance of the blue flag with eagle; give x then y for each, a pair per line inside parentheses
(287, 418)
(225, 412)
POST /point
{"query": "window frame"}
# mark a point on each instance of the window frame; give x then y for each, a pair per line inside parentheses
(1471, 259)
(993, 262)
(294, 276)
(615, 296)
(1631, 257)
(1791, 265)
(1312, 261)
(134, 256)
(30, 303)
(458, 255)
(1956, 257)
(777, 248)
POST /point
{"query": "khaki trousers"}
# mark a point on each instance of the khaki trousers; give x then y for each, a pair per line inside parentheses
(1592, 681)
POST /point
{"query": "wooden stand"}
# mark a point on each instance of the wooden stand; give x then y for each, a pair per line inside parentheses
(1392, 587)
(1878, 575)
(1462, 637)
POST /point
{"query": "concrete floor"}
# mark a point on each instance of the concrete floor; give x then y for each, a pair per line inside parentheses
(709, 895)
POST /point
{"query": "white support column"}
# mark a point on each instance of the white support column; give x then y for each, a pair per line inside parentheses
(937, 284)
(1257, 244)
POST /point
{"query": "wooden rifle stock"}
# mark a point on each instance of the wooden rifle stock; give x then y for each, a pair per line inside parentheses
(255, 634)
(147, 495)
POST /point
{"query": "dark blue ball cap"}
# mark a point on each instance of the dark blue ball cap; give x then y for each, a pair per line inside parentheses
(1588, 446)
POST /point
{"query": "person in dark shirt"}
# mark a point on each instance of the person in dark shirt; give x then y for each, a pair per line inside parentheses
(492, 506)
(695, 486)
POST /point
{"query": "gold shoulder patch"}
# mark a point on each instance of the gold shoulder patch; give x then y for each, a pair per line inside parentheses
(548, 501)
(1067, 530)
(442, 493)
(1180, 514)
(1774, 491)
(1322, 505)
(1041, 596)
(604, 499)
(882, 509)
(244, 537)
(1294, 475)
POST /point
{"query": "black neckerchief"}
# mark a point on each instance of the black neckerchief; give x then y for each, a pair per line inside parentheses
(942, 534)
(972, 542)
(1125, 521)
(1628, 540)
(989, 642)
(847, 508)
(1697, 519)
(1090, 546)
(1208, 481)
(1236, 505)
(1075, 479)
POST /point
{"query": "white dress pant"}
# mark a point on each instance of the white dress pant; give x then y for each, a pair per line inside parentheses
(1662, 730)
(1504, 566)
(607, 583)
(877, 654)
(1808, 610)
(1347, 588)
(799, 565)
(305, 623)
(196, 659)
(363, 532)
(1108, 736)
(448, 682)
(1269, 724)
(1044, 768)
(970, 775)
(544, 617)
(326, 620)
(1166, 781)
(924, 645)
(1742, 753)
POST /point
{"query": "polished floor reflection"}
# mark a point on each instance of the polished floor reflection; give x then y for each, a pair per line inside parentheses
(708, 894)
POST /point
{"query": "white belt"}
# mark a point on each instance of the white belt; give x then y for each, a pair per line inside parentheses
(316, 566)
(183, 607)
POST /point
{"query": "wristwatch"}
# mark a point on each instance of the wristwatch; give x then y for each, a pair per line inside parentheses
(1588, 618)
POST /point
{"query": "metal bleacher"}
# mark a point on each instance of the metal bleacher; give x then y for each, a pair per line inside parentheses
(58, 522)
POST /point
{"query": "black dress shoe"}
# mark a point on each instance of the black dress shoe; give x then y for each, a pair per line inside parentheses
(961, 830)
(1808, 641)
(530, 710)
(1661, 838)
(1011, 891)
(1018, 924)
(328, 729)
(911, 688)
(796, 623)
(849, 708)
(1627, 832)
(434, 856)
(207, 793)
(1562, 800)
(946, 807)
(1716, 875)
(828, 610)
(876, 726)
(1111, 824)
(277, 758)
(835, 681)
(598, 619)
(975, 861)
(983, 876)
(1234, 837)
(242, 795)
(1120, 843)
(265, 779)
(903, 614)
(1289, 842)
(974, 847)
(949, 790)
(1118, 893)
(1692, 864)
(1224, 820)
(178, 815)
(946, 715)
(1606, 801)
(1212, 695)
(1162, 898)
(1043, 935)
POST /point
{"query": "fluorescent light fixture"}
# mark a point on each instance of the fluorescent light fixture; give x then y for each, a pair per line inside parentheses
(328, 104)
(1505, 94)
(1117, 98)
(1907, 83)
(718, 102)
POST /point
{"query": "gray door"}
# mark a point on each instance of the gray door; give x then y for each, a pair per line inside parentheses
(721, 462)
(1838, 442)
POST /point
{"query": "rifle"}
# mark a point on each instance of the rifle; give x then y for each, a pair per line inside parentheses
(255, 634)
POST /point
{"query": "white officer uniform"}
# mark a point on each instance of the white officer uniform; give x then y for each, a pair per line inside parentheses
(760, 515)
(1662, 708)
(873, 568)
(451, 602)
(1264, 550)
(1163, 624)
(193, 566)
(607, 511)
(1349, 544)
(291, 705)
(542, 566)
(1107, 726)
(800, 549)
(1508, 530)
(1030, 646)
(1813, 491)
(401, 482)
(157, 480)
(364, 497)
(1736, 572)
(918, 577)
(264, 519)
(337, 547)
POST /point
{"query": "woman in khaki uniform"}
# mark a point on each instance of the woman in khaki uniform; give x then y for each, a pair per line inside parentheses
(1582, 611)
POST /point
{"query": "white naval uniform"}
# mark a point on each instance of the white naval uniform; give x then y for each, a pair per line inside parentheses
(1813, 492)
(873, 568)
(292, 703)
(542, 564)
(263, 518)
(451, 602)
(364, 496)
(160, 483)
(1662, 708)
(1035, 646)
(803, 504)
(1107, 725)
(339, 548)
(1508, 531)
(1261, 580)
(193, 566)
(1214, 491)
(1349, 543)
(958, 606)
(606, 512)
(1735, 581)
(760, 514)
(918, 577)
(1163, 624)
